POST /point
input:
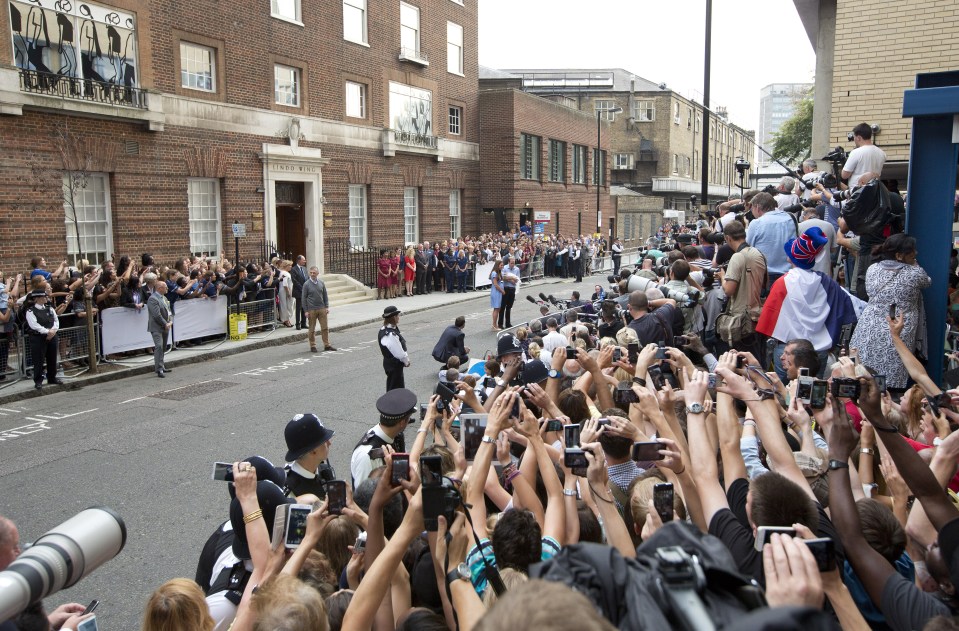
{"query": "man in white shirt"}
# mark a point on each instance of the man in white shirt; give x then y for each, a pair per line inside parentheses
(786, 198)
(554, 339)
(865, 158)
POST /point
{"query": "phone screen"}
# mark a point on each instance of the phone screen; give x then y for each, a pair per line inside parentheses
(575, 459)
(336, 496)
(220, 470)
(661, 352)
(401, 468)
(571, 435)
(632, 352)
(804, 389)
(431, 469)
(90, 624)
(644, 452)
(824, 550)
(817, 394)
(296, 524)
(663, 501)
(91, 607)
(554, 425)
(473, 426)
(880, 382)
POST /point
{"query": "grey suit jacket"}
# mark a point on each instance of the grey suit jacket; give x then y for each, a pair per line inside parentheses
(158, 314)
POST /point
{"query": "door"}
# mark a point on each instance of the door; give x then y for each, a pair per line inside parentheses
(290, 220)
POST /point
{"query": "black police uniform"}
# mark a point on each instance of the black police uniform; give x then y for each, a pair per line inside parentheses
(392, 366)
(42, 350)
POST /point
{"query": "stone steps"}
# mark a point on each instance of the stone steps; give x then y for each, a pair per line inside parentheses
(343, 290)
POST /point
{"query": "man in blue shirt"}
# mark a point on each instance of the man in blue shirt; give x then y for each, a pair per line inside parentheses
(511, 275)
(769, 232)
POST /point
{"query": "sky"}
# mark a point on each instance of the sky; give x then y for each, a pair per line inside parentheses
(755, 43)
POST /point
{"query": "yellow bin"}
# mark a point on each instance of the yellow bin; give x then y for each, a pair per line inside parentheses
(237, 326)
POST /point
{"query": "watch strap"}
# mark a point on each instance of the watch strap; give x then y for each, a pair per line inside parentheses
(837, 464)
(488, 439)
(453, 576)
(639, 381)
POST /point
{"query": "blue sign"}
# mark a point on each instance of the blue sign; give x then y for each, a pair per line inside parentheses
(539, 228)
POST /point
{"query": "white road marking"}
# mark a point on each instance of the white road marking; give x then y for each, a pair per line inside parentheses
(40, 423)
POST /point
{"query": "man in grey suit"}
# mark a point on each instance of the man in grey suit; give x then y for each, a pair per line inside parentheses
(159, 323)
(299, 275)
(317, 306)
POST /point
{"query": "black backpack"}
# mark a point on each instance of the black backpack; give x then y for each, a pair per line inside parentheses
(869, 209)
(680, 579)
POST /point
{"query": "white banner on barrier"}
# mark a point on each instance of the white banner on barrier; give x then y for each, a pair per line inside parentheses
(482, 275)
(199, 318)
(124, 329)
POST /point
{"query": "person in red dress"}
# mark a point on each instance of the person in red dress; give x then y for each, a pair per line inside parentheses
(410, 272)
(384, 268)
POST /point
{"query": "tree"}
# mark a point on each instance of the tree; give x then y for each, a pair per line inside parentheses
(793, 142)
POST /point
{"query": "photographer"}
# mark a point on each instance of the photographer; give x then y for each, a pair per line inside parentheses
(810, 178)
(865, 158)
(786, 196)
(768, 233)
(743, 282)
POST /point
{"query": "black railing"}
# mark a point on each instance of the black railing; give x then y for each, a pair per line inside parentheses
(357, 263)
(82, 89)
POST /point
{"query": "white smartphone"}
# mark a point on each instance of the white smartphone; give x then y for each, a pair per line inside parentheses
(90, 624)
(763, 534)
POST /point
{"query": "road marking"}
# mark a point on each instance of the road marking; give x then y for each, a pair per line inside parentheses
(300, 361)
(40, 423)
(170, 390)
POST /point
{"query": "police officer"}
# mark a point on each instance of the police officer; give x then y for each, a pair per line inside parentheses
(308, 443)
(393, 347)
(43, 324)
(395, 408)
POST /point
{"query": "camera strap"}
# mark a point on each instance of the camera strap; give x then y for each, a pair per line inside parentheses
(492, 573)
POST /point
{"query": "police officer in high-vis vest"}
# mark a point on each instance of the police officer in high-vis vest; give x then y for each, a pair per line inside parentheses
(395, 408)
(43, 324)
(393, 347)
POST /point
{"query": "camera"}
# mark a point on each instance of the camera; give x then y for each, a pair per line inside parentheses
(441, 499)
(60, 558)
(623, 395)
(845, 388)
(837, 157)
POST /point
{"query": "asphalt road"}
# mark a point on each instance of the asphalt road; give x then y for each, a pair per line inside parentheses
(145, 447)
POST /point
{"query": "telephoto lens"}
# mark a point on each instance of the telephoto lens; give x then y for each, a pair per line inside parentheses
(60, 558)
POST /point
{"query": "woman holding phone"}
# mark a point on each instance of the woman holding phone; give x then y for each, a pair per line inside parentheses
(496, 292)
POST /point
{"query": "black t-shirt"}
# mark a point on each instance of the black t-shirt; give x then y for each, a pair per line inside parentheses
(610, 329)
(655, 327)
(907, 607)
(949, 548)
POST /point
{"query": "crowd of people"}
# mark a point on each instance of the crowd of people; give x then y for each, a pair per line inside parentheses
(735, 435)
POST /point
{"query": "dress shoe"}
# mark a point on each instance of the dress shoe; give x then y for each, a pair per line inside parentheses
(56, 382)
(298, 327)
(313, 349)
(38, 386)
(160, 374)
(329, 348)
(165, 369)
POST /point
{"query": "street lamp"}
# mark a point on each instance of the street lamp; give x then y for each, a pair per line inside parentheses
(599, 211)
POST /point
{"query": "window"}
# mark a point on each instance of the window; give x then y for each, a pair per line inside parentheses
(86, 210)
(454, 48)
(355, 99)
(79, 40)
(354, 21)
(579, 164)
(456, 120)
(689, 118)
(599, 167)
(410, 29)
(203, 197)
(455, 214)
(623, 161)
(411, 109)
(604, 106)
(644, 111)
(196, 67)
(557, 161)
(529, 149)
(699, 121)
(676, 116)
(285, 9)
(357, 194)
(411, 215)
(675, 164)
(689, 169)
(286, 85)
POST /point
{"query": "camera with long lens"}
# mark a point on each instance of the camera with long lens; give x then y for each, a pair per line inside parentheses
(837, 156)
(60, 558)
(441, 499)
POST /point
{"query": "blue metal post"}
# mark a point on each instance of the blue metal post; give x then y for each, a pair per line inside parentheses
(934, 105)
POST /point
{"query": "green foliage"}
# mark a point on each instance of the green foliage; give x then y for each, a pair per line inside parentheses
(793, 143)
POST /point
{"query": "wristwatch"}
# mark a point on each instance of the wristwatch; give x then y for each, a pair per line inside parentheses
(487, 439)
(640, 381)
(554, 374)
(838, 464)
(461, 573)
(500, 383)
(695, 408)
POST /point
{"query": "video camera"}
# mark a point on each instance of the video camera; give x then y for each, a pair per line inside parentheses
(837, 156)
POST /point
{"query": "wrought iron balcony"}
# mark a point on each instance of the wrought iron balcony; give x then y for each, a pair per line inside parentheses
(82, 89)
(414, 56)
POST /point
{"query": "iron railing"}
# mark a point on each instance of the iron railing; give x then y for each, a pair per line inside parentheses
(341, 257)
(82, 89)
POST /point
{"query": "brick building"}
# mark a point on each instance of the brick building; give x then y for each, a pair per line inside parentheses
(656, 140)
(539, 160)
(305, 121)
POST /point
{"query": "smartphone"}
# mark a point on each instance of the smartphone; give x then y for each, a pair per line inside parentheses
(514, 413)
(632, 352)
(575, 459)
(892, 310)
(472, 427)
(554, 425)
(336, 496)
(740, 362)
(663, 501)
(817, 394)
(296, 524)
(360, 544)
(880, 382)
(90, 624)
(431, 470)
(763, 533)
(679, 341)
(661, 352)
(570, 352)
(645, 452)
(401, 468)
(446, 394)
(223, 471)
(623, 395)
(571, 435)
(423, 408)
(617, 354)
(600, 422)
(713, 380)
(824, 550)
(489, 382)
(804, 389)
(91, 607)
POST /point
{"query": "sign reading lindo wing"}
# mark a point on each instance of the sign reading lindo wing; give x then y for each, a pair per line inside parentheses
(410, 139)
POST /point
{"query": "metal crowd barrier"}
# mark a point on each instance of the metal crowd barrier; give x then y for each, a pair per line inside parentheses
(10, 362)
(73, 345)
(261, 313)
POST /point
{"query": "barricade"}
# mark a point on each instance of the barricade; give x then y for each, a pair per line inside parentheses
(481, 276)
(73, 345)
(124, 329)
(260, 314)
(200, 317)
(10, 362)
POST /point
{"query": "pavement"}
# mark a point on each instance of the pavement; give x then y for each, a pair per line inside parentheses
(145, 446)
(339, 319)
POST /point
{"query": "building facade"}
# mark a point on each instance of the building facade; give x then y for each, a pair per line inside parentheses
(133, 126)
(656, 139)
(540, 161)
(777, 104)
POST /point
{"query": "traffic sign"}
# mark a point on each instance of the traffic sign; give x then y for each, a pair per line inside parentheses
(239, 230)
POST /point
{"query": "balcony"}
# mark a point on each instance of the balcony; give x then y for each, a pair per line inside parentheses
(82, 89)
(682, 185)
(414, 56)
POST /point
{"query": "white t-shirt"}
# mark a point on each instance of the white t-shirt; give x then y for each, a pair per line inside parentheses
(862, 160)
(552, 341)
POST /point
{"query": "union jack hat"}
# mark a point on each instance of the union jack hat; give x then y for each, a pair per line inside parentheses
(802, 251)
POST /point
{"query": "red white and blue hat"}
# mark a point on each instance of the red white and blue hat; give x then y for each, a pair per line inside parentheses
(802, 251)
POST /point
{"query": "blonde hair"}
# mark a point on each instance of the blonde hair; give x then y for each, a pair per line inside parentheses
(639, 498)
(410, 252)
(285, 602)
(511, 579)
(177, 605)
(534, 350)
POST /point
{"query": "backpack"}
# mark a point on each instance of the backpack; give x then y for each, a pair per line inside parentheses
(869, 209)
(735, 327)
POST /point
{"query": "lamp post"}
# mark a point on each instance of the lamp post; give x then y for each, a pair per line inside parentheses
(599, 211)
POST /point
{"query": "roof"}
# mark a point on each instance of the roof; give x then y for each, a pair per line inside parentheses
(485, 72)
(584, 79)
(624, 192)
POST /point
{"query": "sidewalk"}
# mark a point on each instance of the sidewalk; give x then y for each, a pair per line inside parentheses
(340, 318)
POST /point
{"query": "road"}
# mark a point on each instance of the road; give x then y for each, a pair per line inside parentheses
(145, 446)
